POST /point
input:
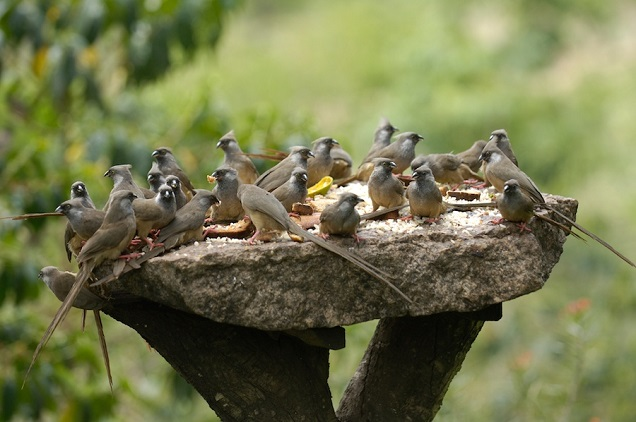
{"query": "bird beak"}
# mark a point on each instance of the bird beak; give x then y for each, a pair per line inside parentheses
(218, 144)
(481, 157)
(303, 177)
(107, 173)
(155, 153)
(392, 164)
(311, 154)
(335, 142)
(58, 209)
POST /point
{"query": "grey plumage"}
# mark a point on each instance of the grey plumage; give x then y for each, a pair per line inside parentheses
(279, 174)
(385, 190)
(470, 157)
(168, 166)
(112, 237)
(187, 224)
(82, 223)
(341, 217)
(155, 177)
(425, 199)
(236, 159)
(321, 163)
(268, 214)
(401, 152)
(294, 190)
(229, 209)
(381, 138)
(122, 181)
(500, 138)
(154, 213)
(342, 163)
(179, 196)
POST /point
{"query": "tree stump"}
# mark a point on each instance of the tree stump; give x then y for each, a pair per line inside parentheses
(250, 327)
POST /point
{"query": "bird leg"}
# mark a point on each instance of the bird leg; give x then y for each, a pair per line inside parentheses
(523, 227)
(252, 239)
(129, 256)
(134, 243)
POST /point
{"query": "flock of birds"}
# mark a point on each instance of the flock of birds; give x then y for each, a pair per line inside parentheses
(138, 223)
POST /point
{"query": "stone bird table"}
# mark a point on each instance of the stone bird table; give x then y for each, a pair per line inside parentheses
(250, 327)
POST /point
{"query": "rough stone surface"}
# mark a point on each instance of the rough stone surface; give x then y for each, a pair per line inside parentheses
(286, 285)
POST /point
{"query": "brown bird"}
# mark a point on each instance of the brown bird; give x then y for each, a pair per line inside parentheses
(78, 190)
(154, 213)
(188, 221)
(381, 138)
(60, 283)
(279, 174)
(155, 177)
(122, 181)
(499, 137)
(83, 222)
(341, 217)
(229, 209)
(269, 215)
(294, 190)
(236, 159)
(401, 152)
(470, 157)
(321, 163)
(179, 196)
(107, 243)
(425, 199)
(342, 163)
(498, 169)
(446, 168)
(385, 190)
(517, 207)
(168, 166)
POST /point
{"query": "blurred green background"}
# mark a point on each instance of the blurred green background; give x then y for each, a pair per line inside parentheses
(88, 84)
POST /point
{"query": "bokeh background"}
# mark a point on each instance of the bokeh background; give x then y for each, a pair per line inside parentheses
(88, 84)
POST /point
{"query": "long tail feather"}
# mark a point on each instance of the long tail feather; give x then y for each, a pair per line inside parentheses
(359, 262)
(590, 234)
(82, 277)
(33, 215)
(102, 344)
(559, 225)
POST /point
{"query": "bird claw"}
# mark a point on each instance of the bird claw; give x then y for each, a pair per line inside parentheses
(133, 255)
(135, 242)
(523, 228)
